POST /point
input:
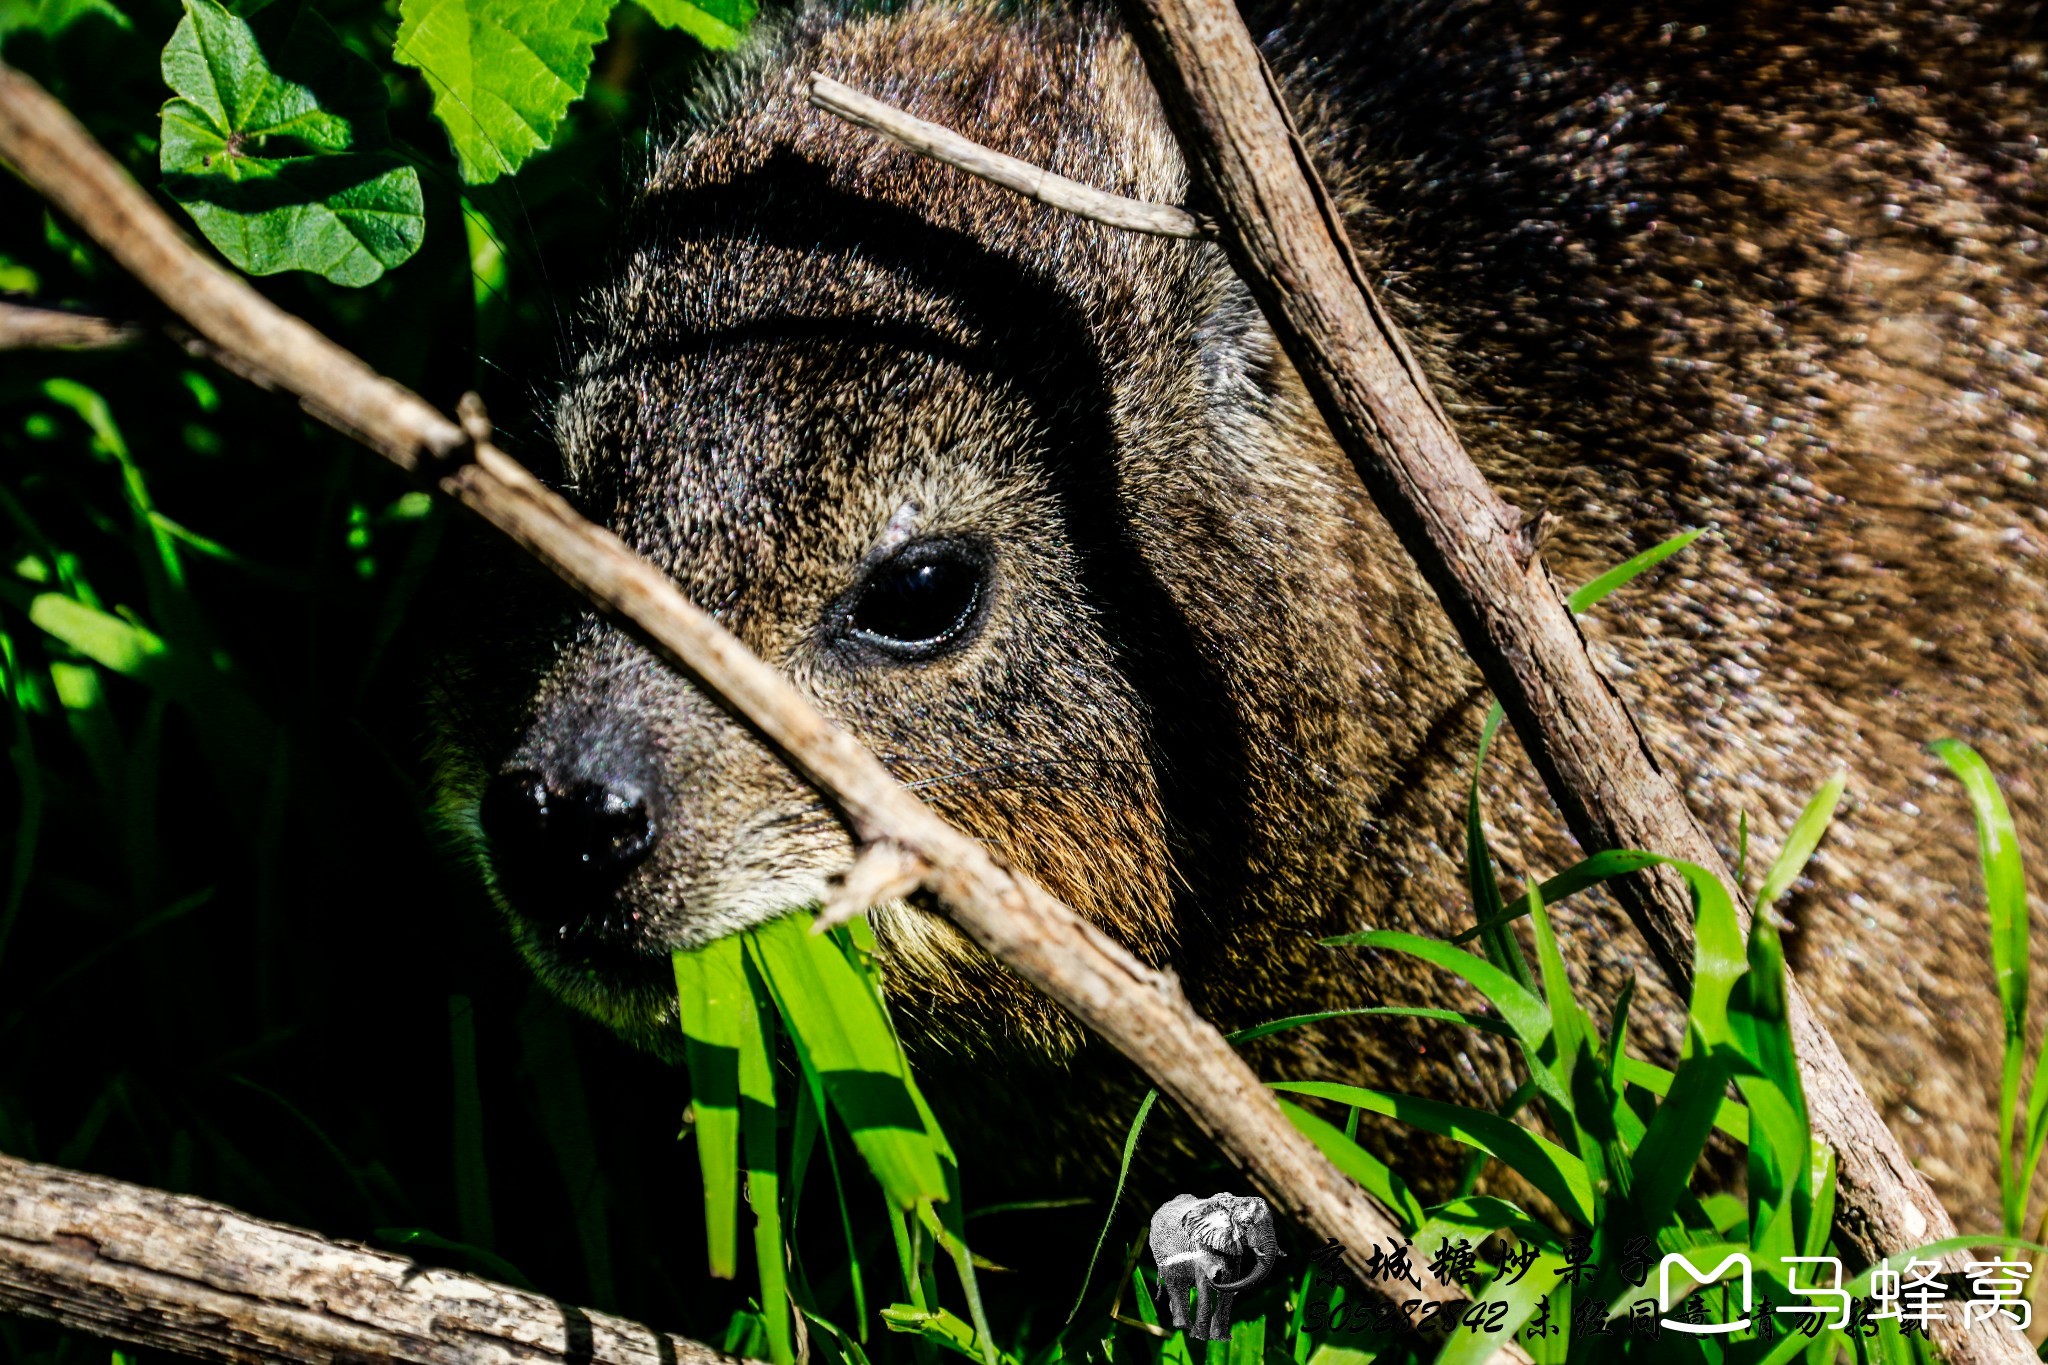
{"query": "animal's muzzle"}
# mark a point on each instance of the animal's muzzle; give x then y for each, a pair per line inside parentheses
(563, 847)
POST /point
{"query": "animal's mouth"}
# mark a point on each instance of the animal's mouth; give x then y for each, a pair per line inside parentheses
(610, 964)
(629, 985)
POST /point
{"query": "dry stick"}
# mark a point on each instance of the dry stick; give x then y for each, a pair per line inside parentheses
(1287, 240)
(1138, 1010)
(25, 328)
(1033, 182)
(199, 1279)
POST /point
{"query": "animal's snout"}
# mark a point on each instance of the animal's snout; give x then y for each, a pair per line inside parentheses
(563, 846)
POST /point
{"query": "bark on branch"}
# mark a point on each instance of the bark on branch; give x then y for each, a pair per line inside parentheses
(1138, 1010)
(202, 1280)
(1288, 241)
(27, 328)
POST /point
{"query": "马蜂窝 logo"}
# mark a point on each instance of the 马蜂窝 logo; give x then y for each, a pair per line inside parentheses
(1913, 1294)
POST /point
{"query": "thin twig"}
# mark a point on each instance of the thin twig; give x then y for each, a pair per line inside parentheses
(1287, 240)
(1033, 182)
(201, 1280)
(885, 871)
(27, 328)
(1139, 1011)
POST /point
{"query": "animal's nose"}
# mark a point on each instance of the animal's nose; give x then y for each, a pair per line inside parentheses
(579, 837)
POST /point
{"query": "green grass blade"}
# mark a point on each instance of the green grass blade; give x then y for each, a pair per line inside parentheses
(711, 991)
(1821, 1225)
(1586, 597)
(548, 1060)
(1800, 844)
(1617, 1036)
(939, 1220)
(1567, 1034)
(1123, 1172)
(1485, 1023)
(764, 1171)
(1482, 1215)
(1522, 1297)
(1497, 939)
(841, 1031)
(1742, 848)
(1580, 876)
(1731, 1118)
(1525, 1013)
(940, 1327)
(814, 1087)
(2005, 896)
(1549, 1167)
(1694, 1101)
(1518, 1005)
(1780, 1139)
(1372, 1175)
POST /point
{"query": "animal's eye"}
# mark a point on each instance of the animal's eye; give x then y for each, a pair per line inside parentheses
(923, 599)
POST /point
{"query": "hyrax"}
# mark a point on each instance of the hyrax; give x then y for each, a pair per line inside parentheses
(1039, 511)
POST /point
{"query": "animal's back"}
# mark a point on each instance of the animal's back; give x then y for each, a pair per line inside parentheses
(1776, 273)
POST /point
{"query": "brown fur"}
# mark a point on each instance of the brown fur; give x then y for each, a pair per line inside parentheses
(1768, 270)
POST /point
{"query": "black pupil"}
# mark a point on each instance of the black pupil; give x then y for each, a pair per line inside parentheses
(919, 598)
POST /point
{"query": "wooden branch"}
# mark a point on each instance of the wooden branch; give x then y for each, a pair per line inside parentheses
(1139, 1011)
(25, 328)
(1033, 182)
(201, 1280)
(1288, 241)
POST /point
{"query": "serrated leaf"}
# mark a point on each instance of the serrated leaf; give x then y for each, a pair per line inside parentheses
(715, 23)
(503, 72)
(284, 162)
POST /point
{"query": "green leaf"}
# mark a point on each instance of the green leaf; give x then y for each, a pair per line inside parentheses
(711, 990)
(1373, 1176)
(1580, 876)
(1497, 939)
(105, 639)
(1802, 841)
(1549, 1167)
(1524, 1013)
(1485, 1023)
(52, 17)
(764, 1174)
(1671, 1145)
(715, 23)
(1730, 1117)
(503, 72)
(842, 1034)
(1123, 1172)
(1780, 1155)
(941, 1327)
(1588, 596)
(282, 157)
(1527, 1017)
(2005, 896)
